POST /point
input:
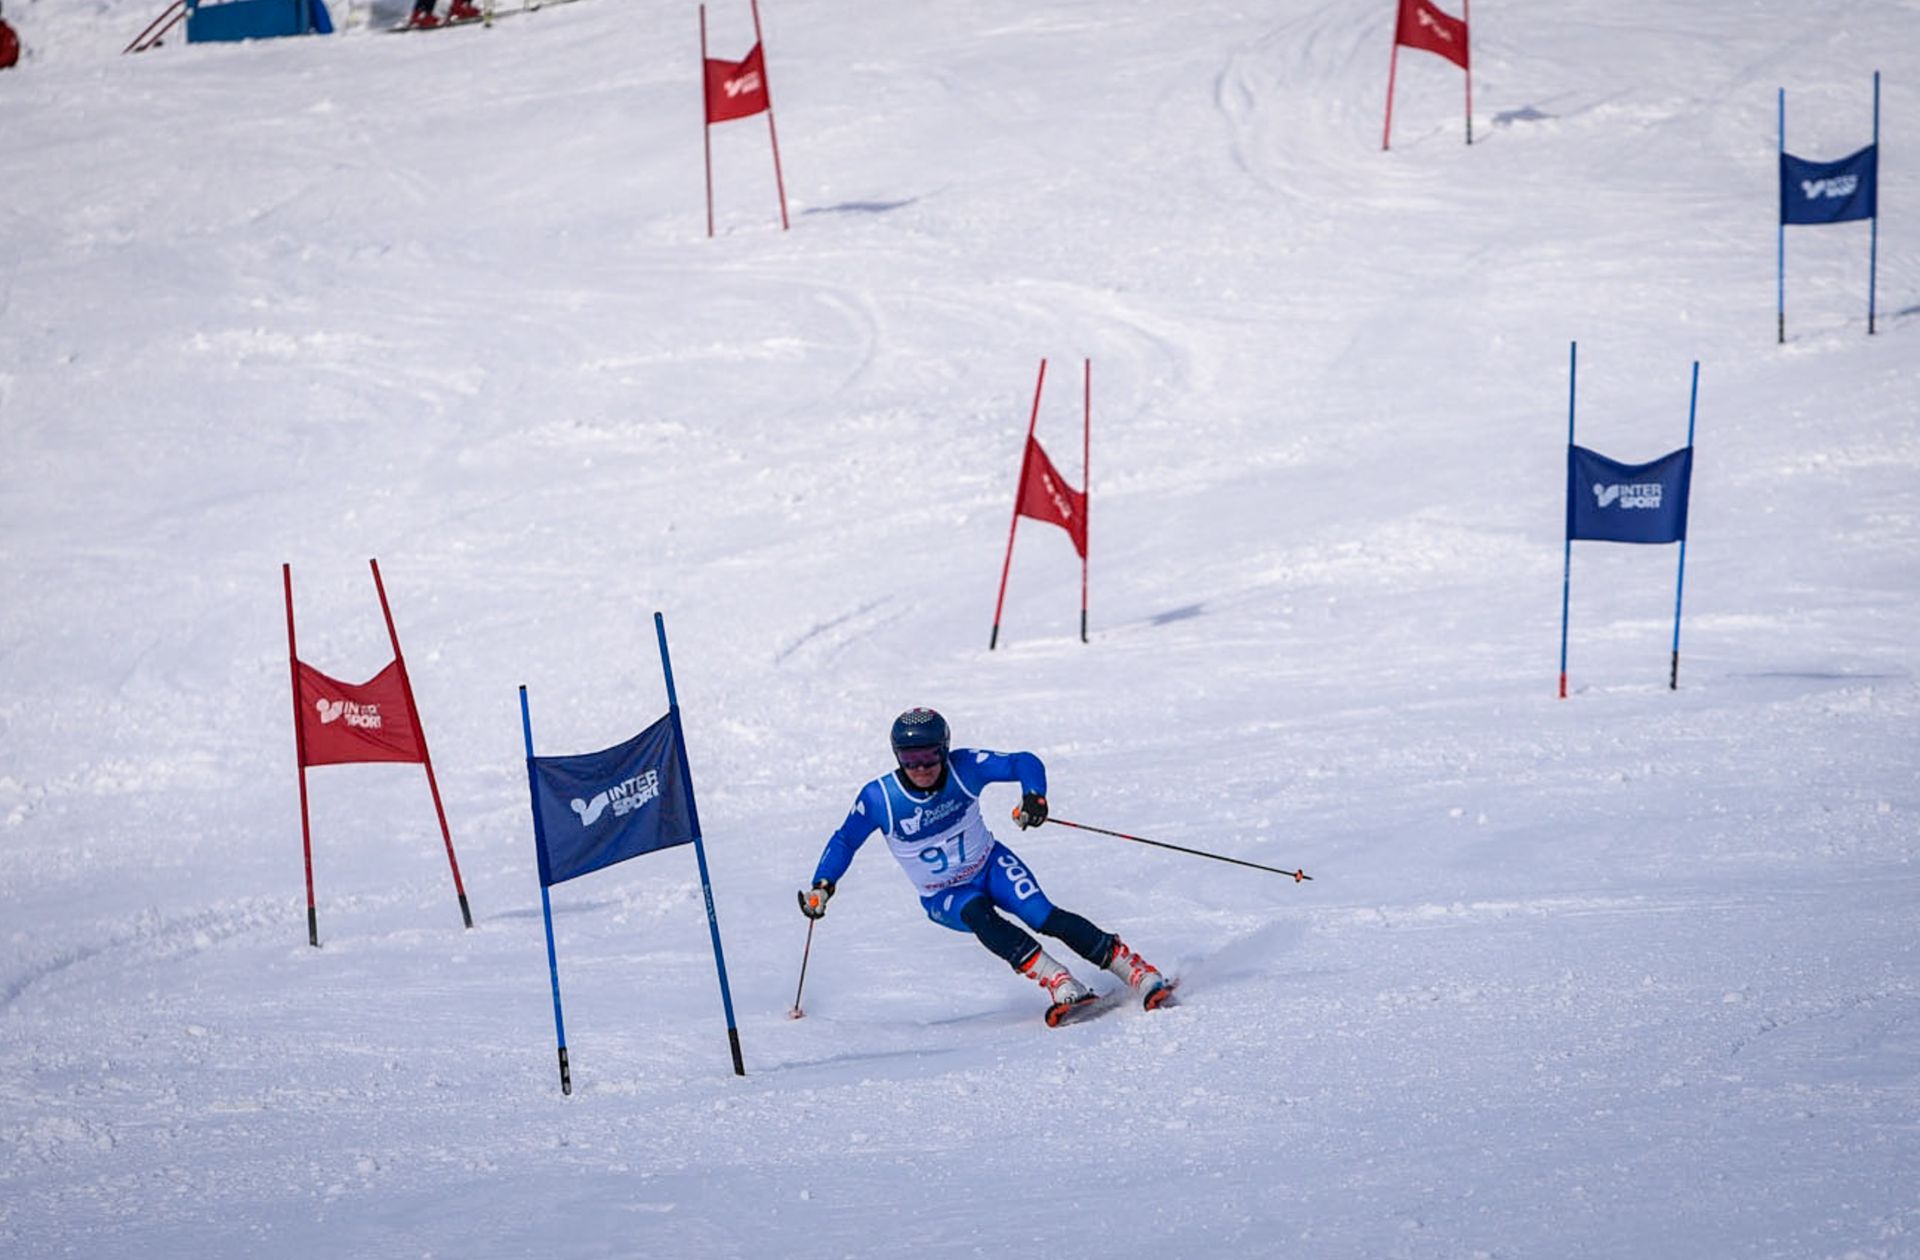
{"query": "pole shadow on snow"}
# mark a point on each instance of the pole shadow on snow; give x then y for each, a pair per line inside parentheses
(909, 1063)
(567, 910)
(1184, 613)
(862, 207)
(1525, 114)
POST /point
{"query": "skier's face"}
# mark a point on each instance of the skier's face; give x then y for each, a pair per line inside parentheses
(922, 766)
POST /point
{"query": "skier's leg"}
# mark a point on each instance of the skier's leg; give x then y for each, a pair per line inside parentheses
(996, 932)
(968, 910)
(1081, 936)
(1012, 885)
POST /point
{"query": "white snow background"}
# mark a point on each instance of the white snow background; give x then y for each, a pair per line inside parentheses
(1628, 974)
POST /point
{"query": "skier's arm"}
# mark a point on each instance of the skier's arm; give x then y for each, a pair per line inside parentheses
(978, 767)
(862, 821)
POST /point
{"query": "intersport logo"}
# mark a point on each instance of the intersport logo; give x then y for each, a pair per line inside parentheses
(1427, 20)
(1831, 188)
(624, 797)
(366, 716)
(1060, 502)
(1643, 494)
(744, 85)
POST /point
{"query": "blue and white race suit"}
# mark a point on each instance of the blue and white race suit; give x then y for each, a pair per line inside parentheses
(940, 839)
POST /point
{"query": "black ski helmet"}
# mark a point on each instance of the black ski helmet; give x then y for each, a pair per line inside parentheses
(920, 728)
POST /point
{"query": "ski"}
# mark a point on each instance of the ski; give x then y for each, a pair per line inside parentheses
(1063, 1013)
(1099, 1004)
(444, 24)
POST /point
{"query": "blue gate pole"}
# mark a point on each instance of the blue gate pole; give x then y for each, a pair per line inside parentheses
(1781, 266)
(1873, 238)
(1566, 563)
(1679, 585)
(699, 847)
(546, 902)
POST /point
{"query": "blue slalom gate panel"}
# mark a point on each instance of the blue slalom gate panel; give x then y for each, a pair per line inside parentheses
(211, 22)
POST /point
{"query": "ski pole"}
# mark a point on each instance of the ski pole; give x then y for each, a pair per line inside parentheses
(1296, 875)
(796, 1012)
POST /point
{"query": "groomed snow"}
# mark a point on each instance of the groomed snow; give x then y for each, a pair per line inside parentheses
(1630, 974)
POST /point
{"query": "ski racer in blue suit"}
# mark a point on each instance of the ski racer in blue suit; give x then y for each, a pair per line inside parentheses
(928, 808)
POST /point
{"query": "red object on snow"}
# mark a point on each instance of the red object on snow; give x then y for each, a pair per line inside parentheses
(336, 723)
(1421, 25)
(1044, 495)
(738, 89)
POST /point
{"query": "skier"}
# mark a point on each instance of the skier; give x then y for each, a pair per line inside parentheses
(929, 810)
(423, 15)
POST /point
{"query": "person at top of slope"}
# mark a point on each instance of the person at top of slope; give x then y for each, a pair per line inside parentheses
(928, 807)
(462, 11)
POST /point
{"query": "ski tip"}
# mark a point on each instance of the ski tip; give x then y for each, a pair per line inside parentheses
(1066, 1012)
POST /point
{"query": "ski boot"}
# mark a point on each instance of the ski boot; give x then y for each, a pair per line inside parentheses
(1063, 991)
(1141, 976)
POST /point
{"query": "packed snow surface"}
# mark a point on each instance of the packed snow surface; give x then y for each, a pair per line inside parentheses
(1630, 973)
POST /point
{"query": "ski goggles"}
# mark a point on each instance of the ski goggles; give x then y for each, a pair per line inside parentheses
(920, 758)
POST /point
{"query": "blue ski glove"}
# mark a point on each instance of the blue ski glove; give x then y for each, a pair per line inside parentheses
(1032, 811)
(813, 901)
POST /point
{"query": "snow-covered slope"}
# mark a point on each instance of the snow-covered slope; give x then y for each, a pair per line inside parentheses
(1628, 974)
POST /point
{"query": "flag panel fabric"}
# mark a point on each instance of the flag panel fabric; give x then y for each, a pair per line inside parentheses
(1608, 501)
(1046, 496)
(1830, 192)
(347, 722)
(1423, 26)
(595, 809)
(736, 89)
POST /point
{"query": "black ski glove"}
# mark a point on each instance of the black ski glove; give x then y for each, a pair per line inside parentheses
(813, 901)
(1032, 811)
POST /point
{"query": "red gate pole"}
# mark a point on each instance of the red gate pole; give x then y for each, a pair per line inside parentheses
(420, 732)
(150, 37)
(1026, 457)
(1086, 484)
(1393, 65)
(766, 85)
(706, 119)
(1466, 20)
(300, 755)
